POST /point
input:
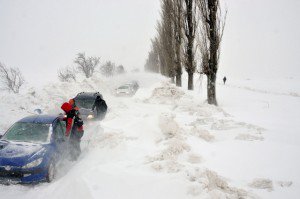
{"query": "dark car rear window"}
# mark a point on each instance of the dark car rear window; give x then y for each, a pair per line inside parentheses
(85, 103)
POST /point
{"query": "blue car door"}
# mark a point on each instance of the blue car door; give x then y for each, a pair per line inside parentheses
(60, 140)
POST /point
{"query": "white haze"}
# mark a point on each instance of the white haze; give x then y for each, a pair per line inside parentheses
(41, 36)
(261, 37)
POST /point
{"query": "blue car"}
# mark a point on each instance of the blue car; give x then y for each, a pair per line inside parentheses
(31, 149)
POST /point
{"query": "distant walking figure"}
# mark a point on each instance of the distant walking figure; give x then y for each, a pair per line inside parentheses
(224, 80)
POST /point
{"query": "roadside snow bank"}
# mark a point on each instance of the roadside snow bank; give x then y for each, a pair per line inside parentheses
(49, 98)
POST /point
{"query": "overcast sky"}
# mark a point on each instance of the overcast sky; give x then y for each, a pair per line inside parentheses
(40, 36)
(261, 39)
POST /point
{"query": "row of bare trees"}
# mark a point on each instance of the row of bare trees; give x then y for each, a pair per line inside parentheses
(11, 79)
(189, 34)
(87, 66)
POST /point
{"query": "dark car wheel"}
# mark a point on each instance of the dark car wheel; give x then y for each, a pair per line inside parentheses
(51, 172)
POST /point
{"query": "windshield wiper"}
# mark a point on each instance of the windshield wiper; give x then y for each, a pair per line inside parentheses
(3, 140)
(21, 141)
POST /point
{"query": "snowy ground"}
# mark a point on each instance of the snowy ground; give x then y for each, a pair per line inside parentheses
(167, 142)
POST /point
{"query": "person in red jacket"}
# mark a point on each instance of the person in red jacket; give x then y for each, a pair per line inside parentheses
(70, 112)
(74, 128)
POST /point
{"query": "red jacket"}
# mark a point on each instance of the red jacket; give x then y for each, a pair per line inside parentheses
(69, 119)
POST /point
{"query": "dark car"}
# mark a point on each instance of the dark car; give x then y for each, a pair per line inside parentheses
(85, 101)
(31, 148)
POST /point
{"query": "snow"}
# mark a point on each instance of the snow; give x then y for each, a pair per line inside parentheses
(19, 149)
(166, 142)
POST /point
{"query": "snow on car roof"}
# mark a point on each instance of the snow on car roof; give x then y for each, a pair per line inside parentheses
(46, 119)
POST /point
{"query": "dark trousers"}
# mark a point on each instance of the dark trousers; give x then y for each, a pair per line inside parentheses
(75, 149)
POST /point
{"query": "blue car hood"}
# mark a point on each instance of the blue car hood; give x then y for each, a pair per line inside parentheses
(19, 153)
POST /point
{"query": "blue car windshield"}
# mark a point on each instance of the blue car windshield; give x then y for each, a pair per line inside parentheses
(28, 132)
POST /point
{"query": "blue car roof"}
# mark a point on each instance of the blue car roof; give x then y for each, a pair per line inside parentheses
(45, 119)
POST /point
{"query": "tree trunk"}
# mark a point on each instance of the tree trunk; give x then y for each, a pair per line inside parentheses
(191, 81)
(190, 27)
(213, 51)
(178, 80)
(211, 89)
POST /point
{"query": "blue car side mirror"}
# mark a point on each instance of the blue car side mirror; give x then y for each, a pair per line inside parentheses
(38, 111)
(1, 134)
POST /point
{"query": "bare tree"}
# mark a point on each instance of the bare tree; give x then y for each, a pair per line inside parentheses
(177, 26)
(178, 37)
(190, 27)
(11, 78)
(166, 39)
(152, 62)
(165, 48)
(67, 74)
(160, 42)
(211, 32)
(156, 55)
(86, 65)
(108, 69)
(120, 69)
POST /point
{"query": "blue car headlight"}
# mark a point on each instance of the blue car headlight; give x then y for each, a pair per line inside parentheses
(32, 164)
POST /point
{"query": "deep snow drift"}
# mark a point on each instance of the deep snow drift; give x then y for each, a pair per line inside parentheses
(166, 142)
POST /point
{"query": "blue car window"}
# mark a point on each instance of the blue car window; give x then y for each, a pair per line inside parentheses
(59, 130)
(63, 126)
(28, 132)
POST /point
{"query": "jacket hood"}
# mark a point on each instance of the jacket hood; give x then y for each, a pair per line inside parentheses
(66, 107)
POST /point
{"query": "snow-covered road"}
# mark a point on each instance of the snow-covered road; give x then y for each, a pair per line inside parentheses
(166, 143)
